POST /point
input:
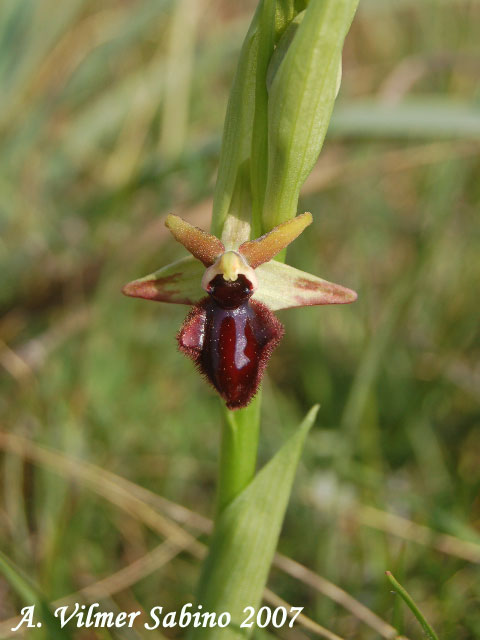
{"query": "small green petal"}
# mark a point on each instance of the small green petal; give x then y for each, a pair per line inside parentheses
(281, 287)
(178, 283)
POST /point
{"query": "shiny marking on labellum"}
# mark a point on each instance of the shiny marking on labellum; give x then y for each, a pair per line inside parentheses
(230, 338)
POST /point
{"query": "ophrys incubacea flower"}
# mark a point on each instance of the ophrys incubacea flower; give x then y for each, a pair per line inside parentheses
(231, 333)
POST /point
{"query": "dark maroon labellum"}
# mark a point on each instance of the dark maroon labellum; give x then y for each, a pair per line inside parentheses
(230, 338)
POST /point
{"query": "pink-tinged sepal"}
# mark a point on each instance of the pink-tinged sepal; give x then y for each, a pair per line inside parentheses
(281, 287)
(231, 347)
(178, 282)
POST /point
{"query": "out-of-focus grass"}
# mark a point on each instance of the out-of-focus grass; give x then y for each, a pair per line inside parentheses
(88, 167)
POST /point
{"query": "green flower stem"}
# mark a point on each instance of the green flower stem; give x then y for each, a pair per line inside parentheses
(238, 451)
(271, 140)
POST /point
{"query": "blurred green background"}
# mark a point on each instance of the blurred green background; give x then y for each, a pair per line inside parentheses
(110, 117)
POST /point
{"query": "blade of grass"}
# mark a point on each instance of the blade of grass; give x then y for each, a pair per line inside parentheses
(301, 619)
(400, 527)
(38, 37)
(407, 598)
(32, 596)
(335, 593)
(114, 583)
(145, 505)
(178, 76)
(419, 117)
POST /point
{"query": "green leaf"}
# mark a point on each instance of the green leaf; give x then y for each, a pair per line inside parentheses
(247, 108)
(285, 12)
(31, 595)
(259, 152)
(301, 100)
(282, 48)
(236, 140)
(245, 539)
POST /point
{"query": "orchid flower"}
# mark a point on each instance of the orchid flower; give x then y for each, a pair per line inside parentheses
(231, 332)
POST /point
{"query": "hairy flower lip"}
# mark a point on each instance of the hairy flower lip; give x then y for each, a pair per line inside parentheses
(231, 347)
(231, 333)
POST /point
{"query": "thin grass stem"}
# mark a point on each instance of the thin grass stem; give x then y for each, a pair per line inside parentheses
(407, 598)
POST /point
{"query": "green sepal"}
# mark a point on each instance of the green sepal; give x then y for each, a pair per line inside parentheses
(300, 102)
(178, 282)
(281, 286)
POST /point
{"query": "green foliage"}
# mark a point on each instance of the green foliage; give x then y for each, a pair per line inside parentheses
(31, 595)
(245, 539)
(267, 129)
(300, 103)
(85, 185)
(279, 129)
(245, 130)
(407, 598)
